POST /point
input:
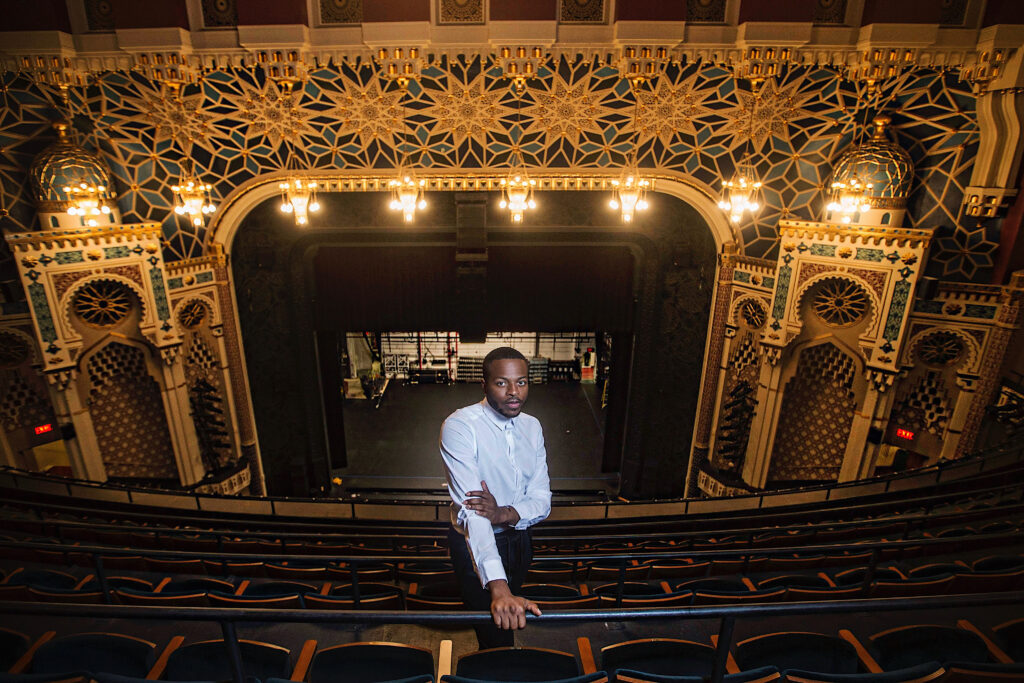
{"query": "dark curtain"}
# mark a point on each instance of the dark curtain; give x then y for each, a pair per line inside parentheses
(548, 288)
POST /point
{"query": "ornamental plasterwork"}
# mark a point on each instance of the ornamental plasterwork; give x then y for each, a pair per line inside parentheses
(669, 109)
(567, 110)
(180, 119)
(576, 114)
(774, 107)
(271, 112)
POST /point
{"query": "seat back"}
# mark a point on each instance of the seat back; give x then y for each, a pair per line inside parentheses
(209, 660)
(12, 646)
(517, 664)
(912, 645)
(798, 650)
(111, 653)
(370, 663)
(659, 656)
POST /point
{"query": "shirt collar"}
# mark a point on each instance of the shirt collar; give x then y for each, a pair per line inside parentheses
(499, 420)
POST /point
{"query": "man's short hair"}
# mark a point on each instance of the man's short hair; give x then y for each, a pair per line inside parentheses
(502, 353)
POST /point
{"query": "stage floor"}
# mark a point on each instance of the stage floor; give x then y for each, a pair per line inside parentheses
(395, 446)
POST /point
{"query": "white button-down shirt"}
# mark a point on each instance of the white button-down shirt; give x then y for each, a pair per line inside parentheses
(480, 444)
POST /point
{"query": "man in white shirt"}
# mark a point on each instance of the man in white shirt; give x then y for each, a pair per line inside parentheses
(497, 472)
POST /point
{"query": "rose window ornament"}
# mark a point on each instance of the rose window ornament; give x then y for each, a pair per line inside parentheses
(840, 303)
(102, 304)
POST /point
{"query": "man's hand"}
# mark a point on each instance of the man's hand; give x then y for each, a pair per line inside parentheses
(483, 503)
(508, 611)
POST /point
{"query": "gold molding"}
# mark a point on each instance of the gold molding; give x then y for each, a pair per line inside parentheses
(817, 230)
(111, 233)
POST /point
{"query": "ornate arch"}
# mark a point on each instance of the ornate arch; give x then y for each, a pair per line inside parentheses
(33, 343)
(65, 300)
(973, 356)
(245, 197)
(208, 302)
(876, 304)
(734, 311)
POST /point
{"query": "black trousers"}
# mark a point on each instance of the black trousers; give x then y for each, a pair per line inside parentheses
(516, 550)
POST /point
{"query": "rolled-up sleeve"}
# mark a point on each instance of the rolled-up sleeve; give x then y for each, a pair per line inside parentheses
(535, 505)
(458, 451)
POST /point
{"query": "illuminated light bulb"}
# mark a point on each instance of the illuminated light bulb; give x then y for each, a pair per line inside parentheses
(298, 197)
(407, 196)
(739, 195)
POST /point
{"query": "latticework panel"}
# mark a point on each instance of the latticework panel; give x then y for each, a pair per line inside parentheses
(22, 405)
(128, 415)
(200, 361)
(817, 412)
(744, 354)
(926, 405)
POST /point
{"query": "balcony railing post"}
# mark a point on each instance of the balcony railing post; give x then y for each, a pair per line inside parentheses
(722, 648)
(234, 651)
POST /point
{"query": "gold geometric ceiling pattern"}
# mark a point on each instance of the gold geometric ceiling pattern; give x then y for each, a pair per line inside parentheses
(692, 119)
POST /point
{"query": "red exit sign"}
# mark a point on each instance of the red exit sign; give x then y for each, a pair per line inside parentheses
(904, 434)
(42, 429)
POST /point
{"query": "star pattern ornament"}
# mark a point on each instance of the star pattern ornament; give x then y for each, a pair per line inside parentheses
(180, 119)
(568, 110)
(272, 112)
(575, 114)
(672, 108)
(773, 107)
(467, 111)
(367, 110)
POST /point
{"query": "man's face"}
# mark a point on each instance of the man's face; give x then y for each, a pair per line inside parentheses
(506, 385)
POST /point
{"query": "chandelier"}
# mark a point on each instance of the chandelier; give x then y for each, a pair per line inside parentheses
(741, 193)
(193, 198)
(630, 190)
(517, 193)
(406, 190)
(848, 198)
(517, 187)
(88, 202)
(630, 195)
(407, 195)
(298, 197)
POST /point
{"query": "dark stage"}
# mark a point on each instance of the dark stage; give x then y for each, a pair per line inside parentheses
(395, 446)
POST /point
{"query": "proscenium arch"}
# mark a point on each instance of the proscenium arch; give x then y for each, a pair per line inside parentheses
(674, 239)
(244, 198)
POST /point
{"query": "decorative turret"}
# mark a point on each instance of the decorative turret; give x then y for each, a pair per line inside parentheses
(871, 181)
(72, 185)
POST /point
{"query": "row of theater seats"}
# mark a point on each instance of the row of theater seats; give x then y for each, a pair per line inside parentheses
(968, 517)
(833, 522)
(931, 652)
(437, 589)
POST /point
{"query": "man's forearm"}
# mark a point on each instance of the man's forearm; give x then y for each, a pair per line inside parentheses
(510, 516)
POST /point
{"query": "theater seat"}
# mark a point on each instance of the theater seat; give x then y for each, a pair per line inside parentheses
(13, 645)
(597, 677)
(95, 652)
(816, 652)
(909, 646)
(370, 662)
(764, 675)
(660, 657)
(923, 673)
(526, 664)
(209, 660)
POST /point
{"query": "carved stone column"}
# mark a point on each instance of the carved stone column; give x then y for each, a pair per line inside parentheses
(957, 421)
(711, 381)
(83, 447)
(766, 418)
(723, 371)
(991, 365)
(860, 454)
(174, 393)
